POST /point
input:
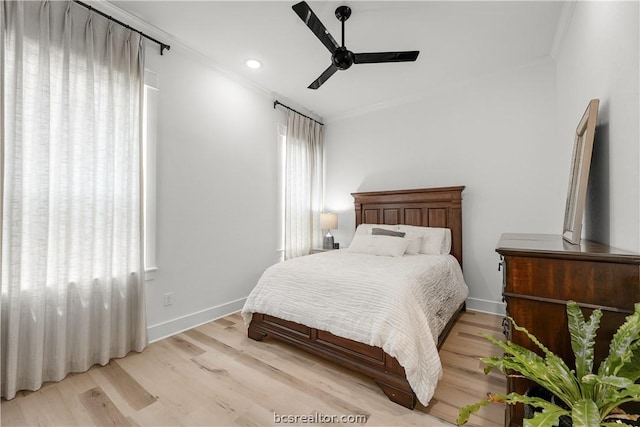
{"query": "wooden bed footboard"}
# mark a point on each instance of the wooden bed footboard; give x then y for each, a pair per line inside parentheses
(365, 359)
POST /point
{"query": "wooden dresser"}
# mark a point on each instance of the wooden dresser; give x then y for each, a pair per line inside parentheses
(541, 272)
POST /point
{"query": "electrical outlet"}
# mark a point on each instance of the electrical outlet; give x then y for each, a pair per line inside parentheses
(168, 298)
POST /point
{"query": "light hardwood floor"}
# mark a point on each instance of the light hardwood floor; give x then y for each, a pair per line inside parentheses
(215, 375)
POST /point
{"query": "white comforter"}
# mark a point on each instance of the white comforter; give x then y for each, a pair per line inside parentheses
(400, 304)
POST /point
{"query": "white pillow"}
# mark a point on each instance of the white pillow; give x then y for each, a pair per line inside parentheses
(435, 241)
(379, 245)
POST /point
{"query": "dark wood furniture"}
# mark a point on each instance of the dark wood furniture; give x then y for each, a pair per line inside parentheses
(435, 207)
(541, 272)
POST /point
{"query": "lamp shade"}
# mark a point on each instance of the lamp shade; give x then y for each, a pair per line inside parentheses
(328, 221)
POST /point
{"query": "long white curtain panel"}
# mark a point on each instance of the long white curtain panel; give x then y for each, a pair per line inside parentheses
(304, 180)
(72, 269)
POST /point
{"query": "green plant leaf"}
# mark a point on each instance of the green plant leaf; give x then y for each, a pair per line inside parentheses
(609, 380)
(509, 399)
(548, 417)
(532, 337)
(631, 369)
(492, 363)
(551, 373)
(623, 344)
(561, 380)
(583, 337)
(564, 379)
(535, 369)
(617, 397)
(585, 413)
(466, 411)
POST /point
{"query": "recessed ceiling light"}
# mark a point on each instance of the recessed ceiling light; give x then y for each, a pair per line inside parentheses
(253, 63)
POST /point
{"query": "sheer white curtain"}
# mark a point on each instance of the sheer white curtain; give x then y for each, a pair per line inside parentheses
(72, 270)
(304, 180)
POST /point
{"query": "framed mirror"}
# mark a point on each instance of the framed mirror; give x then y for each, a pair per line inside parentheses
(579, 177)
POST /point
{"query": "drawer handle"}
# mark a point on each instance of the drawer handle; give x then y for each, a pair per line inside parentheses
(506, 328)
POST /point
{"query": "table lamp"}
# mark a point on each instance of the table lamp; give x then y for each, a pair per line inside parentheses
(328, 221)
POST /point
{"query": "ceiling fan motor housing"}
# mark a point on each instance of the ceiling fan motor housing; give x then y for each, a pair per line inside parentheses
(342, 58)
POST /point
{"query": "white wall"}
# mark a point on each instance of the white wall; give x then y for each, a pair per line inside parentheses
(495, 135)
(216, 219)
(599, 59)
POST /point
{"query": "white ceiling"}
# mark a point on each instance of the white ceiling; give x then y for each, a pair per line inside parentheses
(458, 41)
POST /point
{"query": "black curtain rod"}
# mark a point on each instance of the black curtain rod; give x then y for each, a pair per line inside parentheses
(163, 46)
(276, 103)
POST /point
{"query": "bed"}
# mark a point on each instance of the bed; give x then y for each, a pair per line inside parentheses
(434, 207)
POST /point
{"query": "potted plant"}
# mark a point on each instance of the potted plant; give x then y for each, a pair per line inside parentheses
(582, 397)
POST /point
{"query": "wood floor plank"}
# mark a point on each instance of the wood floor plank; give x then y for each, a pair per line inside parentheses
(54, 403)
(51, 405)
(225, 321)
(11, 414)
(164, 372)
(72, 388)
(133, 393)
(190, 349)
(473, 367)
(157, 414)
(101, 408)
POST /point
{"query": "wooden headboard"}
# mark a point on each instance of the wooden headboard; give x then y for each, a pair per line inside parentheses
(427, 207)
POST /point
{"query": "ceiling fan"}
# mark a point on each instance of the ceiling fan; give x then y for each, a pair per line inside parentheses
(341, 57)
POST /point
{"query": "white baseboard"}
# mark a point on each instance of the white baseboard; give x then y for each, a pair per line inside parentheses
(180, 324)
(486, 306)
(189, 321)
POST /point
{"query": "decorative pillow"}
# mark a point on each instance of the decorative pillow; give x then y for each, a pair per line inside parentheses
(365, 229)
(436, 241)
(383, 232)
(415, 243)
(379, 245)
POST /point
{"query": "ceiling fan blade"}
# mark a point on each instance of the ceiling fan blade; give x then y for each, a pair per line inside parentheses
(374, 58)
(323, 77)
(305, 13)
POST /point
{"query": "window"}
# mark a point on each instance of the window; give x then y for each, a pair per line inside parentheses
(282, 157)
(149, 144)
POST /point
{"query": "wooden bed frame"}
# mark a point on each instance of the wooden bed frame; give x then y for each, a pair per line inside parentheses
(433, 207)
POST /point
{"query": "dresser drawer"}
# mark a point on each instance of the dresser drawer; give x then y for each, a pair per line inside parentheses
(603, 284)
